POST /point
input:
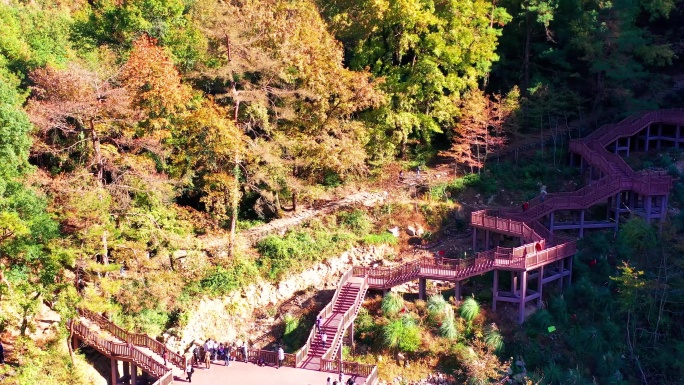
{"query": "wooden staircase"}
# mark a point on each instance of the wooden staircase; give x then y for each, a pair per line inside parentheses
(114, 342)
(618, 175)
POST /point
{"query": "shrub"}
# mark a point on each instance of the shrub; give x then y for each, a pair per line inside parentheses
(291, 323)
(356, 221)
(222, 280)
(470, 309)
(392, 303)
(402, 334)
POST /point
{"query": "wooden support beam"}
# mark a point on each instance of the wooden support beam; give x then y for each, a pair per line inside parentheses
(422, 283)
(457, 292)
(648, 200)
(475, 239)
(551, 216)
(581, 230)
(617, 211)
(523, 293)
(134, 374)
(540, 283)
(486, 243)
(648, 138)
(495, 289)
(114, 374)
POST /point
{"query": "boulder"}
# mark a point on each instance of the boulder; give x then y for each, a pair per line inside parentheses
(394, 231)
(411, 231)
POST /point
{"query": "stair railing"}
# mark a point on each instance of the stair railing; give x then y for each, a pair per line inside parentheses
(303, 352)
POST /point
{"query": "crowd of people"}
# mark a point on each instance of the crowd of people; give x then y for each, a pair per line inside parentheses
(212, 351)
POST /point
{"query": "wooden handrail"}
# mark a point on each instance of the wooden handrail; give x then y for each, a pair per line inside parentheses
(121, 350)
(134, 338)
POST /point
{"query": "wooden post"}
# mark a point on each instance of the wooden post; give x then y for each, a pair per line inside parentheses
(617, 211)
(581, 232)
(457, 292)
(648, 137)
(514, 282)
(551, 222)
(629, 143)
(677, 135)
(660, 135)
(126, 371)
(495, 289)
(75, 343)
(540, 280)
(134, 374)
(114, 371)
(486, 245)
(421, 288)
(647, 207)
(475, 239)
(561, 269)
(523, 292)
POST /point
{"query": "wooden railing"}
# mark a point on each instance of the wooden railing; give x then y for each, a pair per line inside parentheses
(135, 338)
(269, 357)
(301, 354)
(350, 368)
(347, 318)
(121, 350)
(166, 379)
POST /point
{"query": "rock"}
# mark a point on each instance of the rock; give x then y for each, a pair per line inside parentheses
(420, 230)
(394, 231)
(379, 358)
(411, 231)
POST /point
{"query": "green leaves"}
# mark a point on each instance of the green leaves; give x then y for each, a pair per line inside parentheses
(428, 53)
(402, 334)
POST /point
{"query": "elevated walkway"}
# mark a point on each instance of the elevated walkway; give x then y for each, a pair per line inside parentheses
(642, 193)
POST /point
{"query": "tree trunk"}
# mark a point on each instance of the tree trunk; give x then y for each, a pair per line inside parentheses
(105, 249)
(294, 201)
(99, 163)
(234, 203)
(70, 341)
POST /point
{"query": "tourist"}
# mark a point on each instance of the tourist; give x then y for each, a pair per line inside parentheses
(244, 350)
(165, 355)
(189, 370)
(207, 359)
(542, 192)
(401, 175)
(281, 356)
(340, 378)
(318, 324)
(227, 352)
(324, 338)
(196, 355)
(526, 206)
(350, 381)
(328, 382)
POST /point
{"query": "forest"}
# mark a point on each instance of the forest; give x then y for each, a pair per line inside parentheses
(143, 143)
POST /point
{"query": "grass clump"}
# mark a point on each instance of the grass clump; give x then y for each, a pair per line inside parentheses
(470, 309)
(392, 304)
(402, 334)
(385, 238)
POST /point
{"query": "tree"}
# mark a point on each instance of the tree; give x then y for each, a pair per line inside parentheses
(482, 128)
(211, 148)
(428, 54)
(282, 76)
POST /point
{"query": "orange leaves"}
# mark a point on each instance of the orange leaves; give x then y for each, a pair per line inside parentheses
(153, 79)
